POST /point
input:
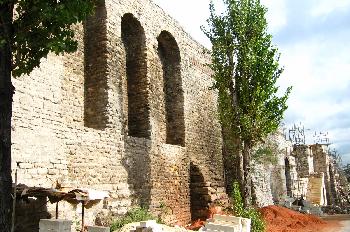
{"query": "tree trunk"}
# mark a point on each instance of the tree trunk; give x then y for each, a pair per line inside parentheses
(6, 94)
(247, 175)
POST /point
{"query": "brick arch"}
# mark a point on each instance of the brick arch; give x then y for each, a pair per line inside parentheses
(169, 54)
(134, 41)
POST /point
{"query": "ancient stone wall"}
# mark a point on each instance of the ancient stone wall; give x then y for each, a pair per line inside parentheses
(316, 191)
(276, 180)
(323, 163)
(315, 174)
(129, 113)
(262, 183)
(304, 160)
(300, 170)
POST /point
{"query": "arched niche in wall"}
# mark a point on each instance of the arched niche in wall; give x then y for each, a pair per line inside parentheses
(133, 37)
(199, 194)
(95, 69)
(169, 54)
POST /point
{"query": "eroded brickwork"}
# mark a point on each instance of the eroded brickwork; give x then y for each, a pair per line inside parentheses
(75, 117)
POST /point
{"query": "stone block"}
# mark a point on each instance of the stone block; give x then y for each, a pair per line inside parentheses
(53, 172)
(228, 219)
(148, 223)
(42, 171)
(246, 224)
(25, 165)
(222, 227)
(54, 225)
(98, 229)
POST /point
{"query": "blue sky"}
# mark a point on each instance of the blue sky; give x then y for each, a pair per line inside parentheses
(313, 37)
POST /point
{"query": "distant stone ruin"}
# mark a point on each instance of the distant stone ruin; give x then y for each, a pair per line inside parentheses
(307, 171)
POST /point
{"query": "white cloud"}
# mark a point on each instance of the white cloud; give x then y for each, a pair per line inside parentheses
(317, 81)
(191, 15)
(276, 14)
(325, 7)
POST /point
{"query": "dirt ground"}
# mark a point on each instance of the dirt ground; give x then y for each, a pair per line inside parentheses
(280, 219)
(337, 223)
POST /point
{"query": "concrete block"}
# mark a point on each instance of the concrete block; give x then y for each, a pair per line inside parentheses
(246, 224)
(98, 229)
(223, 228)
(230, 219)
(54, 225)
(148, 223)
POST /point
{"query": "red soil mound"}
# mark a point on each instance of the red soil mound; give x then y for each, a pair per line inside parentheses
(280, 219)
(195, 225)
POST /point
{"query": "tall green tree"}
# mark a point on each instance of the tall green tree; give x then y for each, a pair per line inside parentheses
(29, 30)
(245, 70)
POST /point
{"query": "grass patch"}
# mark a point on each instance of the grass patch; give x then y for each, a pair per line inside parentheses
(134, 215)
(258, 223)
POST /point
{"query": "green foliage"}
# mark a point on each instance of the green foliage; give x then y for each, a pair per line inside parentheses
(237, 201)
(246, 70)
(258, 223)
(134, 215)
(43, 26)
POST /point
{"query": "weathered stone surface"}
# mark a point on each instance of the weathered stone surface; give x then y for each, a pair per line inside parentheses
(131, 112)
(54, 225)
(128, 113)
(98, 229)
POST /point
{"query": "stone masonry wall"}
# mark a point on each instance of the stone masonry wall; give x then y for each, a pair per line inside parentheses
(70, 118)
(262, 181)
(323, 164)
(304, 160)
(270, 179)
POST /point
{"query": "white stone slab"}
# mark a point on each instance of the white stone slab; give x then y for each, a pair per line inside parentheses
(223, 228)
(246, 224)
(148, 223)
(225, 218)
